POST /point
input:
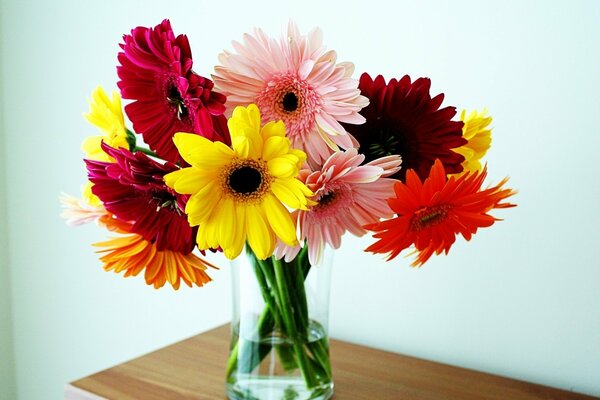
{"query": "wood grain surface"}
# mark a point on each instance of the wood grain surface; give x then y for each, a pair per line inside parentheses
(194, 369)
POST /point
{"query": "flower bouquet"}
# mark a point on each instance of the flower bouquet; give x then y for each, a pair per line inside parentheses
(270, 162)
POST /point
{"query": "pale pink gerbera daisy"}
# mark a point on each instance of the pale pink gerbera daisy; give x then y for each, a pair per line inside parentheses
(349, 196)
(79, 212)
(295, 80)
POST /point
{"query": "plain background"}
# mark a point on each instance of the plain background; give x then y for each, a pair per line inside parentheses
(521, 299)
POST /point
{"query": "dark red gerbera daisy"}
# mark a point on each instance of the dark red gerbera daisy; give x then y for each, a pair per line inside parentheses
(403, 119)
(156, 72)
(132, 188)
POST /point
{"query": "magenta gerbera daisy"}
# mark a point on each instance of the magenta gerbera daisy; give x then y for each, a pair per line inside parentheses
(133, 190)
(349, 195)
(297, 81)
(402, 118)
(156, 72)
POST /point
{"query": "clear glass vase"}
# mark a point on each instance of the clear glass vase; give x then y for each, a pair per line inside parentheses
(279, 330)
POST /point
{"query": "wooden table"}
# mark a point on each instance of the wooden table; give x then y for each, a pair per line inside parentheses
(195, 368)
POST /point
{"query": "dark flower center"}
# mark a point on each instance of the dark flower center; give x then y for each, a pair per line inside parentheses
(387, 145)
(327, 199)
(429, 216)
(165, 199)
(290, 102)
(175, 99)
(245, 180)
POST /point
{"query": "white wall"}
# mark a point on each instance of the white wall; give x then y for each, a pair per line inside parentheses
(521, 299)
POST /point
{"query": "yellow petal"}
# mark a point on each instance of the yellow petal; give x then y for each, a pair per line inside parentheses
(272, 129)
(211, 230)
(259, 238)
(91, 144)
(202, 205)
(107, 115)
(189, 180)
(280, 220)
(89, 196)
(245, 122)
(201, 239)
(172, 177)
(292, 193)
(239, 233)
(244, 117)
(300, 155)
(201, 152)
(93, 151)
(194, 180)
(240, 236)
(283, 167)
(227, 223)
(275, 146)
(241, 145)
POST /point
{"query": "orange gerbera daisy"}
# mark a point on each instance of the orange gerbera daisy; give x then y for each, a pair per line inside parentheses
(132, 253)
(431, 214)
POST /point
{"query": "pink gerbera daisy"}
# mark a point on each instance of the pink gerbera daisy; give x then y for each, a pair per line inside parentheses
(295, 80)
(349, 195)
(156, 72)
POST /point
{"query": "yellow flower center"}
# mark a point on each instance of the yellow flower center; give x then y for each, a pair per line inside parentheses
(246, 180)
(429, 216)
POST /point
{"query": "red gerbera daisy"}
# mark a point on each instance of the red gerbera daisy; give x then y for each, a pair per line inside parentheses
(156, 72)
(403, 119)
(431, 214)
(133, 190)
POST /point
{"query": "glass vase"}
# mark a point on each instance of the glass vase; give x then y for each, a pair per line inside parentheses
(279, 330)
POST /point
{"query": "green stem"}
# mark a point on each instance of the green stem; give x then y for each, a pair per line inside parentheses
(300, 268)
(271, 299)
(262, 270)
(145, 151)
(286, 309)
(288, 320)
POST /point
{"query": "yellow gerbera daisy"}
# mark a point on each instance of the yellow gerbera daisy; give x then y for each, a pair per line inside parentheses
(477, 131)
(107, 115)
(239, 192)
(89, 197)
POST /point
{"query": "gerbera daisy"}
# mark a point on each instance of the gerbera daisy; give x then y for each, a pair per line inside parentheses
(134, 254)
(402, 118)
(349, 195)
(431, 214)
(478, 133)
(294, 80)
(156, 72)
(237, 193)
(79, 211)
(132, 188)
(107, 115)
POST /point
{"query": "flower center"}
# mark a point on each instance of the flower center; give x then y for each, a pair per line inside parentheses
(293, 100)
(290, 102)
(333, 200)
(174, 98)
(327, 198)
(246, 180)
(429, 216)
(165, 199)
(387, 145)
